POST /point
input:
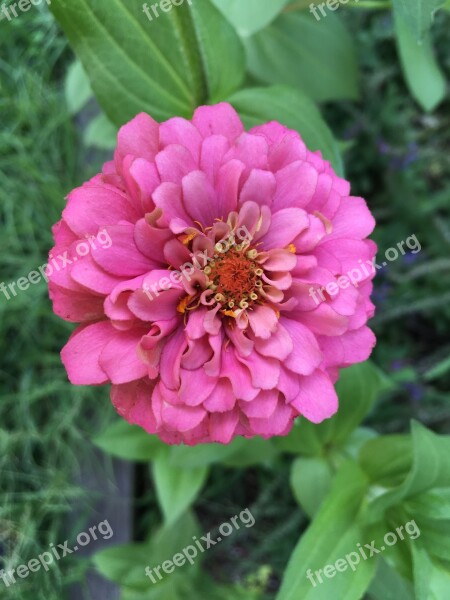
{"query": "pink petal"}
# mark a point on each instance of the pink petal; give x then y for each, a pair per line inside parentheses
(317, 399)
(182, 132)
(352, 220)
(200, 199)
(195, 386)
(139, 137)
(87, 273)
(285, 226)
(278, 345)
(220, 119)
(122, 259)
(222, 398)
(259, 187)
(264, 371)
(174, 163)
(81, 354)
(228, 186)
(75, 307)
(91, 208)
(250, 149)
(222, 426)
(182, 418)
(213, 150)
(133, 401)
(171, 359)
(119, 358)
(263, 321)
(296, 185)
(263, 406)
(277, 424)
(306, 355)
(238, 375)
(150, 240)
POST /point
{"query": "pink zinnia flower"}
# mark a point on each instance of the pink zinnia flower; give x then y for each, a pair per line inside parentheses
(208, 312)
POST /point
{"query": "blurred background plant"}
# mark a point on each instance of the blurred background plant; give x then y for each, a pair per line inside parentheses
(382, 94)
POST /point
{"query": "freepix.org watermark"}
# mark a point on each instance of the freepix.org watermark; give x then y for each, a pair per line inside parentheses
(190, 553)
(10, 12)
(353, 559)
(57, 263)
(363, 270)
(153, 11)
(46, 559)
(330, 4)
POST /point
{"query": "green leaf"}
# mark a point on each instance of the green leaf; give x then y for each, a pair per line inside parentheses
(332, 535)
(435, 537)
(200, 455)
(387, 459)
(417, 14)
(101, 133)
(311, 481)
(431, 578)
(389, 585)
(218, 44)
(357, 440)
(165, 67)
(176, 488)
(252, 15)
(126, 563)
(245, 453)
(423, 75)
(358, 388)
(302, 439)
(294, 110)
(429, 470)
(433, 505)
(296, 50)
(129, 442)
(77, 87)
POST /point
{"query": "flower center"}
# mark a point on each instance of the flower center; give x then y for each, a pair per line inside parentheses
(235, 278)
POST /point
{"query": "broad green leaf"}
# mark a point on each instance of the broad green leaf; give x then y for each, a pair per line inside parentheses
(176, 488)
(245, 453)
(429, 470)
(249, 16)
(125, 564)
(311, 481)
(357, 440)
(431, 578)
(435, 537)
(129, 442)
(302, 439)
(422, 73)
(200, 455)
(218, 44)
(389, 585)
(417, 14)
(333, 534)
(77, 88)
(433, 505)
(165, 67)
(296, 50)
(387, 459)
(293, 109)
(101, 133)
(358, 388)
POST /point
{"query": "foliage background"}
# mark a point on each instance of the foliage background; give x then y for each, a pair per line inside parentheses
(383, 97)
